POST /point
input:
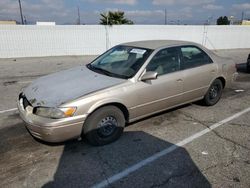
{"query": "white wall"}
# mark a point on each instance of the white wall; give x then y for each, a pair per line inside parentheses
(32, 41)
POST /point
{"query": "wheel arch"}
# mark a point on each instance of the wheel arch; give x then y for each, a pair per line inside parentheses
(223, 80)
(119, 105)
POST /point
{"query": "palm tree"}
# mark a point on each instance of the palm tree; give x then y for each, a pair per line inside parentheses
(223, 21)
(114, 18)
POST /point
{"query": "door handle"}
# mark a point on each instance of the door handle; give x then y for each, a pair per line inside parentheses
(179, 80)
(212, 71)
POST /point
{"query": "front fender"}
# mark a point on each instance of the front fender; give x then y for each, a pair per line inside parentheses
(105, 102)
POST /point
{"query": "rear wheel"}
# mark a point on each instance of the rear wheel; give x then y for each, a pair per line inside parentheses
(214, 93)
(105, 125)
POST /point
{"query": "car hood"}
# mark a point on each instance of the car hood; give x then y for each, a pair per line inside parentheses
(61, 87)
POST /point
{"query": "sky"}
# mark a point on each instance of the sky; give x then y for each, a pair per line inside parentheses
(139, 11)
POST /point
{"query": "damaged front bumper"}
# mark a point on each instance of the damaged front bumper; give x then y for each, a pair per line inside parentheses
(47, 129)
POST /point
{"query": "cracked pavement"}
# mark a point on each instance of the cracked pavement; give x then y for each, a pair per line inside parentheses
(220, 158)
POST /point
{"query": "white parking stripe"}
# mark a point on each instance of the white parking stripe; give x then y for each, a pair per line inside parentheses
(9, 110)
(166, 151)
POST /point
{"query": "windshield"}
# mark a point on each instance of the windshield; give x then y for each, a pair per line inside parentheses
(120, 61)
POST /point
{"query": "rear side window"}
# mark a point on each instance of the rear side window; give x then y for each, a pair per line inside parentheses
(193, 57)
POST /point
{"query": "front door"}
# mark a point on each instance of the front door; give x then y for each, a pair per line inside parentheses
(165, 91)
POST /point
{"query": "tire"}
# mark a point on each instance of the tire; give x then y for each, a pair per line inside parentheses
(213, 94)
(103, 126)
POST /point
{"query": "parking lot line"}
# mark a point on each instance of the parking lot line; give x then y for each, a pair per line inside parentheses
(164, 152)
(9, 110)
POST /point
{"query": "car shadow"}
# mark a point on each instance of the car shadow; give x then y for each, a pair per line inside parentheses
(82, 165)
(164, 112)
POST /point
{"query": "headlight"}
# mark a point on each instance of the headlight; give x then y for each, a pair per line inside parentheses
(55, 113)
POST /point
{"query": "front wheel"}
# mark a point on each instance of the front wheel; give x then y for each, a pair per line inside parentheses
(214, 93)
(103, 126)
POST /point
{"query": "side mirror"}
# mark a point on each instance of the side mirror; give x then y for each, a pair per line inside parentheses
(150, 75)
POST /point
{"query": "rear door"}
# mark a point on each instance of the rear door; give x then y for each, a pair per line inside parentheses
(198, 72)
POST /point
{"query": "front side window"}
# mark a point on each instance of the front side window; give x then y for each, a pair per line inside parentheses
(120, 61)
(165, 61)
(193, 57)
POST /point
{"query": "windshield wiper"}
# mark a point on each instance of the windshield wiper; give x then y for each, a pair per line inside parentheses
(103, 71)
(98, 69)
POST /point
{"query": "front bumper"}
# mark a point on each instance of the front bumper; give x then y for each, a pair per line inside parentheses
(51, 130)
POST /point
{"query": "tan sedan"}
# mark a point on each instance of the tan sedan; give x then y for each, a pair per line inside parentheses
(128, 82)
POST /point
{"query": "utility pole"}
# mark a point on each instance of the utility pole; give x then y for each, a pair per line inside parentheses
(166, 14)
(79, 17)
(21, 12)
(242, 16)
(107, 16)
(25, 21)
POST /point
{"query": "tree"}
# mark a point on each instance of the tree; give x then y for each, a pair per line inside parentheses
(114, 18)
(223, 21)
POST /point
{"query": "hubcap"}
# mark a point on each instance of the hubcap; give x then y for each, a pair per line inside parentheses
(107, 126)
(213, 93)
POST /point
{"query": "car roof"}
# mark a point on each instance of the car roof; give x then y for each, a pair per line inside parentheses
(154, 44)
